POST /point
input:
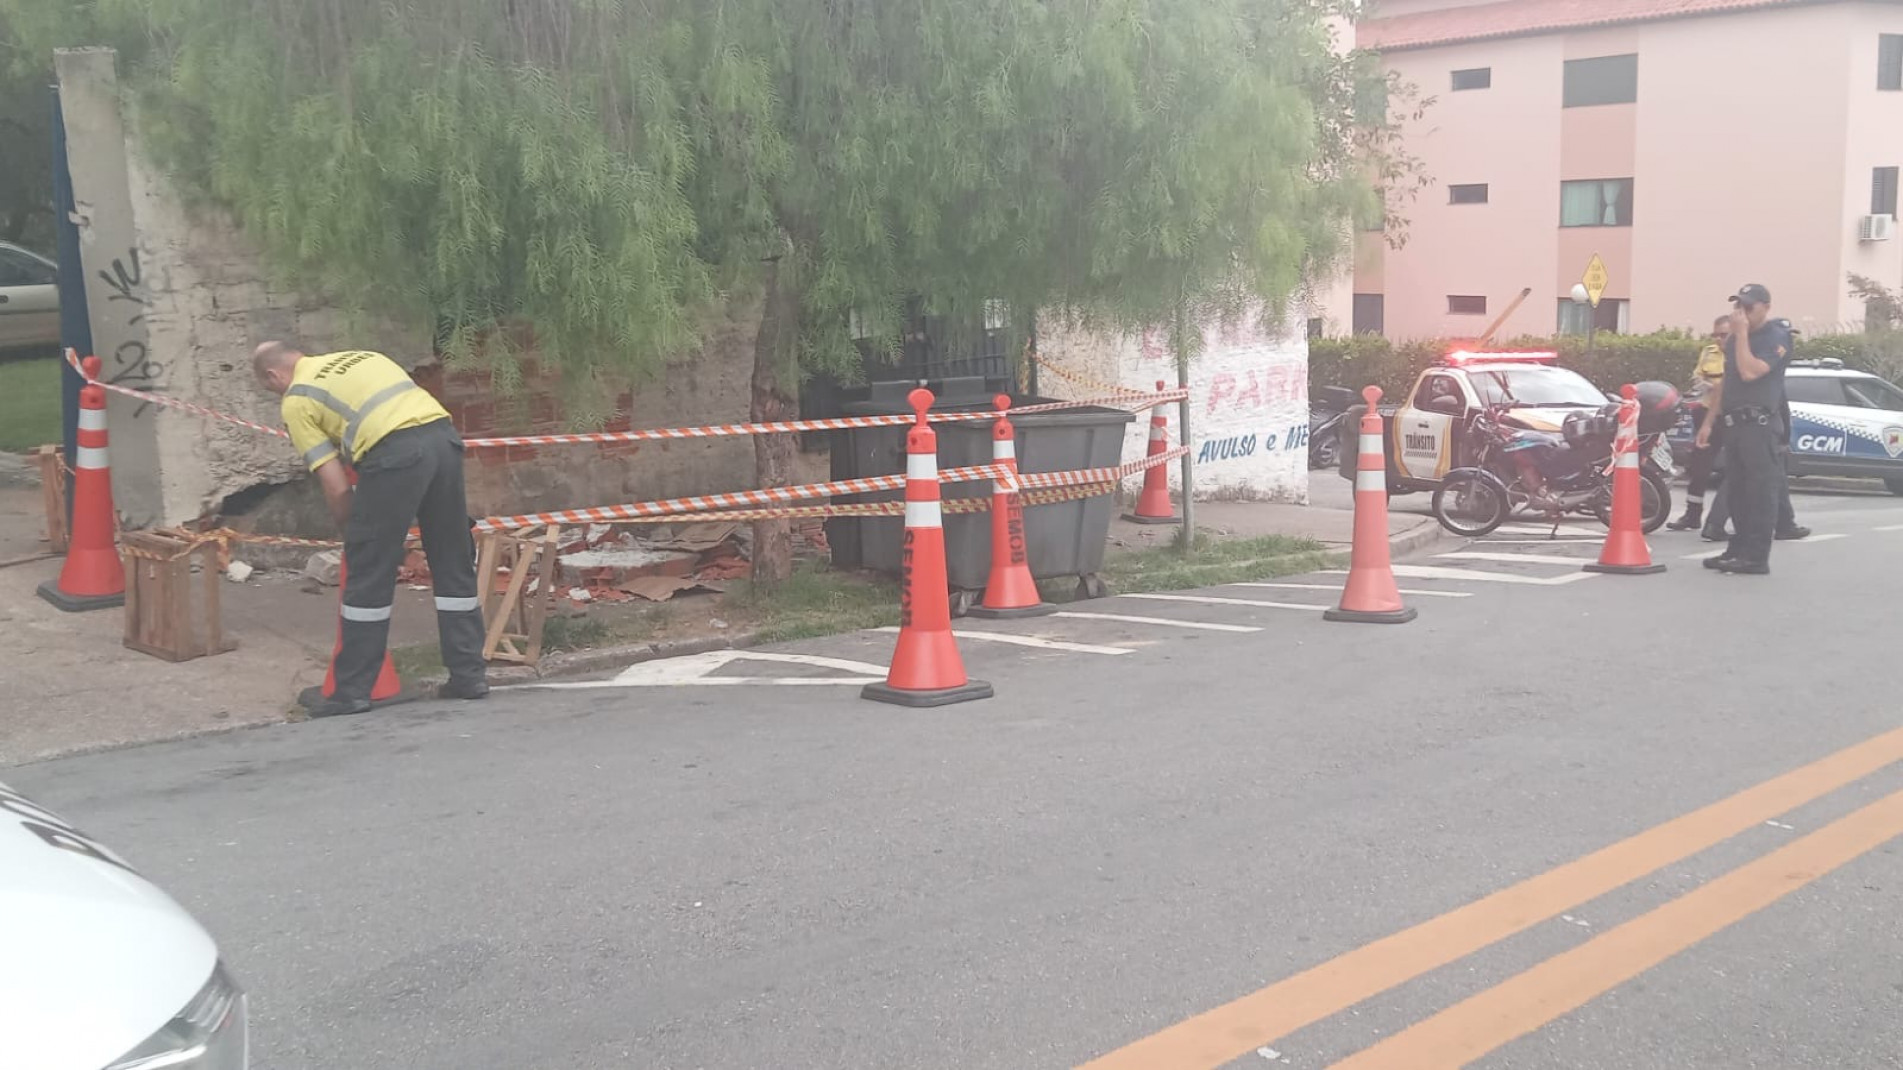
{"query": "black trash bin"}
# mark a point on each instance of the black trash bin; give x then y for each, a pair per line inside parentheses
(1064, 539)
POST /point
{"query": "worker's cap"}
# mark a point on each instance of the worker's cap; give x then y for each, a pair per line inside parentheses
(1751, 293)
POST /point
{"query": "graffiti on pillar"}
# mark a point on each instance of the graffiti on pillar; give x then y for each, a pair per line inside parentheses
(131, 364)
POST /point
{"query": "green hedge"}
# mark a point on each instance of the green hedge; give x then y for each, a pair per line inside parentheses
(1616, 359)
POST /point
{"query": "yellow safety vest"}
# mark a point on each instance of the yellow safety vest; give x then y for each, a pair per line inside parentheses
(345, 403)
(1711, 364)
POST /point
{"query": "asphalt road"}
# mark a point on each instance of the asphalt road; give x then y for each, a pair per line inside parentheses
(666, 872)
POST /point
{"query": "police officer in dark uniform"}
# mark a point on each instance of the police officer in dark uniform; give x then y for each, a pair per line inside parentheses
(1750, 405)
(362, 409)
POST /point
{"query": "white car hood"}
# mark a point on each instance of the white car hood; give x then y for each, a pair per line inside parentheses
(93, 958)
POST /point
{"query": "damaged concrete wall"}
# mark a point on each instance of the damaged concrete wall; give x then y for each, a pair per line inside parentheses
(178, 297)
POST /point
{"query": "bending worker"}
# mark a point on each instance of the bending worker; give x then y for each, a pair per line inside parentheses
(362, 409)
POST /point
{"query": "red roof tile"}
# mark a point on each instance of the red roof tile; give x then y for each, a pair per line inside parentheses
(1517, 18)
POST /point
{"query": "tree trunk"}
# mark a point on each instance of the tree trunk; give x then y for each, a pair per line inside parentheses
(775, 397)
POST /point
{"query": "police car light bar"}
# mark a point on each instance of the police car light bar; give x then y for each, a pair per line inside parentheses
(1461, 357)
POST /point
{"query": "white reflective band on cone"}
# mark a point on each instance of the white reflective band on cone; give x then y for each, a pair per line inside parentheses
(1628, 460)
(921, 466)
(1002, 448)
(1371, 444)
(366, 616)
(92, 419)
(924, 515)
(92, 457)
(1371, 479)
(457, 605)
(1157, 433)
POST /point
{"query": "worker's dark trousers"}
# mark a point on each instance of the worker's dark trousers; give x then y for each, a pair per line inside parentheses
(1754, 475)
(1720, 512)
(412, 475)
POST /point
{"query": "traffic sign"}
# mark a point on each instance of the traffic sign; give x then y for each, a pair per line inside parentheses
(1595, 279)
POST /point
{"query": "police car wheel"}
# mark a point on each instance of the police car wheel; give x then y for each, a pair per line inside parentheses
(1895, 484)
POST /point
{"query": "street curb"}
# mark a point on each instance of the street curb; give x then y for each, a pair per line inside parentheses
(1415, 539)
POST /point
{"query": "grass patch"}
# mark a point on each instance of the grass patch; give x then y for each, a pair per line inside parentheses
(1213, 563)
(418, 662)
(561, 633)
(817, 601)
(29, 403)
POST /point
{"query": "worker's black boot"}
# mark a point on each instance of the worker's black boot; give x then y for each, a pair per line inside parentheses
(1694, 517)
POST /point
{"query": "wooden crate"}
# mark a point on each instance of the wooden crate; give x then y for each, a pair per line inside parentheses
(171, 612)
(514, 615)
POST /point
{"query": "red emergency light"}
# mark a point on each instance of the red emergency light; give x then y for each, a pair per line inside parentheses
(1462, 357)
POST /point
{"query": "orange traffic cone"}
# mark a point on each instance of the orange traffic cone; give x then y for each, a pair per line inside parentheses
(926, 668)
(1370, 596)
(1153, 506)
(93, 577)
(1010, 592)
(1625, 552)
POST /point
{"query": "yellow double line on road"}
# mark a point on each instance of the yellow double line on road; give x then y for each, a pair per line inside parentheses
(1472, 1028)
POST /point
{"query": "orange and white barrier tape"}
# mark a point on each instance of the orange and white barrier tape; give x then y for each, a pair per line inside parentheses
(1136, 401)
(1084, 382)
(1100, 475)
(705, 503)
(72, 358)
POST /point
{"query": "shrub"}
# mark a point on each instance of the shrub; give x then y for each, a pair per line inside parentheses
(1616, 359)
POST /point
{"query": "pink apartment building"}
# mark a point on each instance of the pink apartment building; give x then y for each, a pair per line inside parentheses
(1693, 145)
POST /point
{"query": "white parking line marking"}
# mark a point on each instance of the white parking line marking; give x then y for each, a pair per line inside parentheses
(1337, 587)
(1213, 601)
(1831, 537)
(1435, 572)
(1034, 641)
(692, 671)
(1892, 527)
(1162, 622)
(1531, 559)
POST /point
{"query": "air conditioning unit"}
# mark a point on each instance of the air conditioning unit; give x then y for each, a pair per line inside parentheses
(1876, 228)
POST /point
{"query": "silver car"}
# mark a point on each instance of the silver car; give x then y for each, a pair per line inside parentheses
(29, 299)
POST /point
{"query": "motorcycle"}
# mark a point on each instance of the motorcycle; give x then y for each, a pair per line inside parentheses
(1326, 411)
(1574, 468)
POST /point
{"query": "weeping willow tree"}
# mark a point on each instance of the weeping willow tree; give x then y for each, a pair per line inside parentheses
(600, 172)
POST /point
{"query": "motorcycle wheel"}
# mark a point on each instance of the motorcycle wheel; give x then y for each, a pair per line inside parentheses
(1469, 506)
(1326, 451)
(1655, 502)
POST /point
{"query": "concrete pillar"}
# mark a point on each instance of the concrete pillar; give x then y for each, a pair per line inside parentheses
(118, 291)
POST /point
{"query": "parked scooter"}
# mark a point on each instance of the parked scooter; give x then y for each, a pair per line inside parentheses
(1326, 410)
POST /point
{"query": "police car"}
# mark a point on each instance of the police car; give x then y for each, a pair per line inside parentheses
(99, 970)
(1844, 423)
(1424, 437)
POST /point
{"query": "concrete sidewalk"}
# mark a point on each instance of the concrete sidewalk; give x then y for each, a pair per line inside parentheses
(77, 688)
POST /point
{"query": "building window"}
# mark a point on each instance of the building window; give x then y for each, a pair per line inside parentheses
(1370, 312)
(1474, 193)
(1462, 305)
(1883, 191)
(1473, 78)
(1597, 202)
(1601, 80)
(1890, 62)
(1317, 327)
(1610, 316)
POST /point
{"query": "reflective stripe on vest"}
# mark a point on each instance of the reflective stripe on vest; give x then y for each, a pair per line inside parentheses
(353, 418)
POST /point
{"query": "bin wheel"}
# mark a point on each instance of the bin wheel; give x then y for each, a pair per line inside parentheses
(1092, 586)
(962, 601)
